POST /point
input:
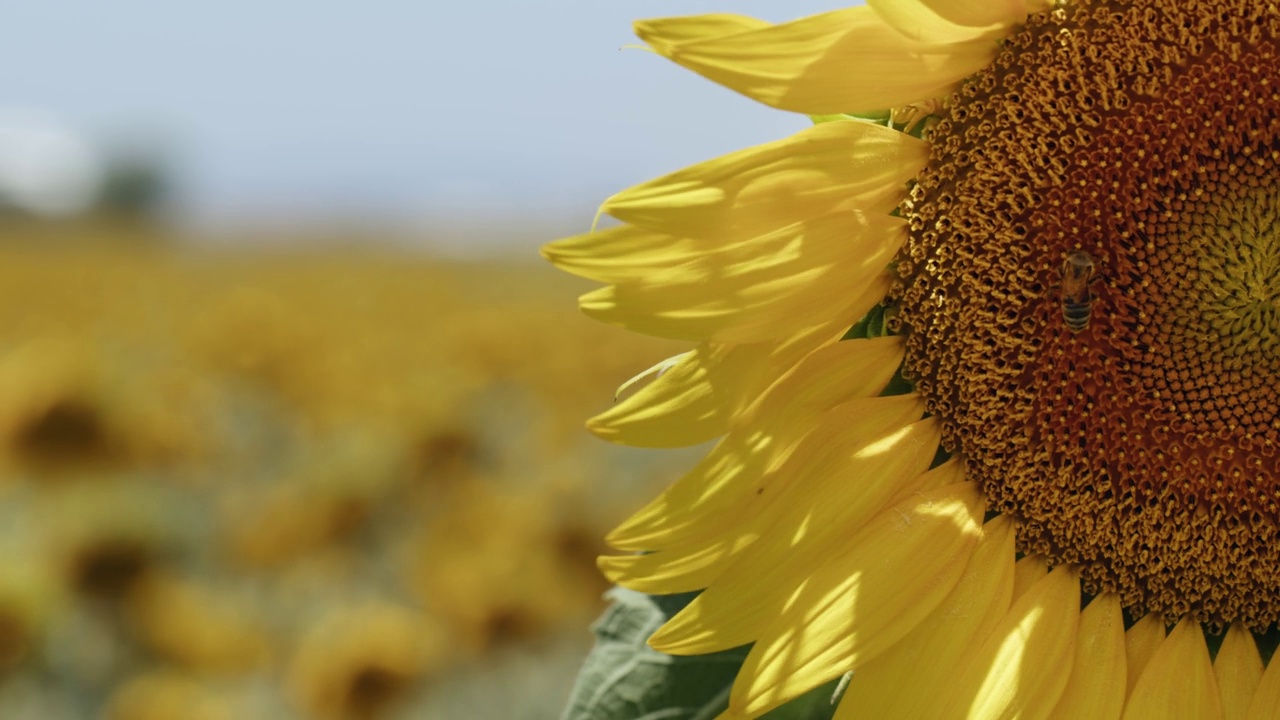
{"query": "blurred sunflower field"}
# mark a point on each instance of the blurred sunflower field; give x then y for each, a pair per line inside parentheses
(299, 483)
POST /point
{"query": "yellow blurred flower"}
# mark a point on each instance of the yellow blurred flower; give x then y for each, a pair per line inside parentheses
(498, 565)
(358, 662)
(448, 454)
(67, 406)
(108, 537)
(166, 696)
(196, 626)
(253, 333)
(335, 487)
(30, 599)
(1048, 232)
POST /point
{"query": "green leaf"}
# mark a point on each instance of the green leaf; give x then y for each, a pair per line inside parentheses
(872, 325)
(625, 679)
(817, 704)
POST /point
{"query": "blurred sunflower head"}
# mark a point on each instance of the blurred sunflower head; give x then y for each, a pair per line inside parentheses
(72, 407)
(55, 414)
(105, 540)
(327, 498)
(163, 695)
(502, 566)
(30, 600)
(359, 662)
(195, 626)
(1055, 233)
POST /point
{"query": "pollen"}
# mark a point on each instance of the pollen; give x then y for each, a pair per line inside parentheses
(1138, 445)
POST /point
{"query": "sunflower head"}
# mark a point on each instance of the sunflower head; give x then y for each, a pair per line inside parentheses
(359, 662)
(1089, 298)
(74, 407)
(1055, 234)
(503, 564)
(57, 411)
(107, 538)
(196, 626)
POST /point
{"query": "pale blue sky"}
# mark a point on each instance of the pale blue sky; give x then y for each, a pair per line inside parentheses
(391, 109)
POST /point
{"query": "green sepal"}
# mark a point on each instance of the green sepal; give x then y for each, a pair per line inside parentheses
(837, 117)
(872, 325)
(879, 117)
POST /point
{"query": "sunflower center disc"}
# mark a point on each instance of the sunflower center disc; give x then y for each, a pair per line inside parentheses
(1091, 297)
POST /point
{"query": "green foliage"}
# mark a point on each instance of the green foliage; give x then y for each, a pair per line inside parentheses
(1268, 641)
(625, 679)
(133, 187)
(872, 325)
(915, 127)
(879, 117)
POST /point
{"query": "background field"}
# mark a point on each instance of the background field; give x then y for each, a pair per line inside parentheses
(270, 449)
(301, 483)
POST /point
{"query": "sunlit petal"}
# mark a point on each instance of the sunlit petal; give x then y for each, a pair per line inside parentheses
(907, 680)
(1238, 668)
(855, 607)
(1022, 667)
(1096, 689)
(1178, 682)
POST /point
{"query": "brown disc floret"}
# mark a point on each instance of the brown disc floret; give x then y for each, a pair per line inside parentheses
(1140, 449)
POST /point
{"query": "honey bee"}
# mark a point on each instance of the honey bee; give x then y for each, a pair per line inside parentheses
(1077, 299)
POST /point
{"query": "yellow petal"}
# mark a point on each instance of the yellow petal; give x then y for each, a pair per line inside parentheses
(690, 403)
(703, 501)
(950, 20)
(1238, 668)
(1178, 682)
(1266, 699)
(697, 399)
(1021, 669)
(855, 424)
(1027, 573)
(949, 472)
(862, 602)
(760, 189)
(782, 499)
(754, 290)
(846, 61)
(681, 570)
(818, 514)
(712, 25)
(655, 371)
(1140, 644)
(1096, 688)
(621, 254)
(906, 681)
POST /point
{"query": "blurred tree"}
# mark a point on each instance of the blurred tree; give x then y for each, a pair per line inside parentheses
(134, 186)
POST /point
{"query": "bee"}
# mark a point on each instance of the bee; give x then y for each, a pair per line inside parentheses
(1077, 299)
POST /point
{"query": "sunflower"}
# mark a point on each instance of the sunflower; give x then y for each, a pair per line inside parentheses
(160, 695)
(1037, 478)
(359, 661)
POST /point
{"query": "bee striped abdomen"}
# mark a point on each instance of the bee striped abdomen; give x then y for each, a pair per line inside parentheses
(1077, 300)
(1076, 314)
